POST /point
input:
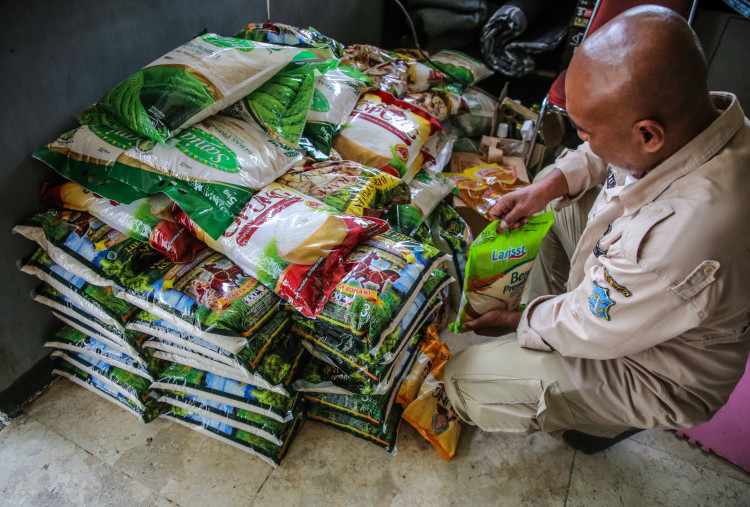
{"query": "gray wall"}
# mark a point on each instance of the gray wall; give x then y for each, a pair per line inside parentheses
(56, 58)
(725, 37)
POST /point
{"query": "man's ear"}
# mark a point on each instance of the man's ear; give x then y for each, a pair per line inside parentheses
(650, 133)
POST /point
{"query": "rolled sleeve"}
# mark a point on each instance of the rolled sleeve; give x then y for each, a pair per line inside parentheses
(582, 170)
(527, 337)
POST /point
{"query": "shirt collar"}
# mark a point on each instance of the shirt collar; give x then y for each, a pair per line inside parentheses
(688, 158)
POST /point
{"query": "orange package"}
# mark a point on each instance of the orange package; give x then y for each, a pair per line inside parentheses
(428, 349)
(432, 412)
(481, 186)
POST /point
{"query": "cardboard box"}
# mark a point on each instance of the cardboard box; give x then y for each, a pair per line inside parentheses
(476, 222)
(551, 132)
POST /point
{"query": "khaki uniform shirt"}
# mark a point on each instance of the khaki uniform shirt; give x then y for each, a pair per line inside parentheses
(654, 327)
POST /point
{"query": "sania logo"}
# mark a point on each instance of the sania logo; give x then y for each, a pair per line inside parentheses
(120, 139)
(229, 42)
(510, 253)
(207, 150)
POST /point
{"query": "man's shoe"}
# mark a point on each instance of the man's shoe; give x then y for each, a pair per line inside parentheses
(590, 444)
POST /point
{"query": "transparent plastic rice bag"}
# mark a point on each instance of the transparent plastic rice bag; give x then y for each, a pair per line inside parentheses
(293, 244)
(95, 158)
(148, 219)
(189, 84)
(349, 187)
(386, 133)
(498, 267)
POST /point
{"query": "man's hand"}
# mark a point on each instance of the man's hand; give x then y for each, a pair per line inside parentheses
(494, 323)
(514, 208)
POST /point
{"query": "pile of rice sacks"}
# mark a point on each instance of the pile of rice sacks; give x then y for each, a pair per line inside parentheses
(251, 231)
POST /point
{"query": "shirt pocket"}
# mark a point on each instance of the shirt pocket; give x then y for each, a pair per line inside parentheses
(638, 227)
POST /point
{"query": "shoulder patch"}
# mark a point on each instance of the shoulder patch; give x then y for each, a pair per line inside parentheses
(612, 283)
(600, 303)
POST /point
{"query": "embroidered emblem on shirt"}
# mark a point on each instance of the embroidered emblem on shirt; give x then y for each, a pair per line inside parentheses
(611, 182)
(598, 250)
(619, 288)
(600, 303)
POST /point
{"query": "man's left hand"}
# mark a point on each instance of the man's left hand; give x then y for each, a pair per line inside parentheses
(494, 323)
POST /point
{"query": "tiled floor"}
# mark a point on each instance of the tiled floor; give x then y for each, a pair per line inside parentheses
(72, 447)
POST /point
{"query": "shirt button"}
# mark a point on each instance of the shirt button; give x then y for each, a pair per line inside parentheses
(656, 211)
(575, 315)
(709, 270)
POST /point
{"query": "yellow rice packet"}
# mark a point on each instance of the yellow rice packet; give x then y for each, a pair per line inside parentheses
(428, 349)
(432, 412)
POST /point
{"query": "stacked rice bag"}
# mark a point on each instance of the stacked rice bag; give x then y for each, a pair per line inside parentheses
(260, 421)
(373, 417)
(222, 241)
(95, 348)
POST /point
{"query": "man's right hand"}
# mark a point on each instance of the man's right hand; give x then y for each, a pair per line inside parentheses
(515, 208)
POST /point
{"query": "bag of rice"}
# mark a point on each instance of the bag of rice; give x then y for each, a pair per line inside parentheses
(427, 191)
(376, 408)
(165, 336)
(320, 376)
(189, 84)
(70, 339)
(210, 297)
(373, 371)
(428, 350)
(287, 35)
(148, 219)
(243, 440)
(99, 302)
(451, 234)
(384, 435)
(498, 267)
(336, 93)
(251, 422)
(383, 279)
(134, 387)
(385, 132)
(70, 313)
(220, 153)
(455, 64)
(478, 120)
(281, 104)
(270, 359)
(348, 187)
(441, 104)
(432, 412)
(88, 155)
(182, 380)
(364, 56)
(292, 243)
(106, 390)
(83, 245)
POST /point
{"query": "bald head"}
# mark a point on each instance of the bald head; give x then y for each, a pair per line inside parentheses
(644, 64)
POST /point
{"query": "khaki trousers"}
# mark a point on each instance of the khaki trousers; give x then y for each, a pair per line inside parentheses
(500, 386)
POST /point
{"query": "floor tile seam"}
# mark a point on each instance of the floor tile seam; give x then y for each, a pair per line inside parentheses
(746, 480)
(101, 461)
(570, 477)
(252, 502)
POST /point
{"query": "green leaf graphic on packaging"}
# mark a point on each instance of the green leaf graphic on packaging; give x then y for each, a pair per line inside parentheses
(320, 103)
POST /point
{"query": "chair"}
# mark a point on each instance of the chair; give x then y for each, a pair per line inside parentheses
(604, 11)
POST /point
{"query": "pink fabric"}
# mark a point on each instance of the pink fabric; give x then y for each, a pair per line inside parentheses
(728, 433)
